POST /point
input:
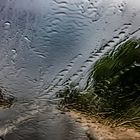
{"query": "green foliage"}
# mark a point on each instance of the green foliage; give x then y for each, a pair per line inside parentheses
(114, 93)
(117, 60)
(74, 98)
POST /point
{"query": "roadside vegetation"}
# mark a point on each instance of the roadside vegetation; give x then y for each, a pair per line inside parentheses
(5, 101)
(112, 93)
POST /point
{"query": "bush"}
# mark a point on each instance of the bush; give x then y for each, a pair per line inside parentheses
(114, 92)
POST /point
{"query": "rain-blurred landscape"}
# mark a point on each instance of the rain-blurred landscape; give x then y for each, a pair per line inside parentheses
(46, 45)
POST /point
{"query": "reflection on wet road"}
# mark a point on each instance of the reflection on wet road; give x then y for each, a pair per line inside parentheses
(49, 124)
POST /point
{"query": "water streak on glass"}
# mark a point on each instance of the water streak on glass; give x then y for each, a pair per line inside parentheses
(46, 44)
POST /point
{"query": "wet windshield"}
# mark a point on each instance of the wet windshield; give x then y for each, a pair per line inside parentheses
(48, 44)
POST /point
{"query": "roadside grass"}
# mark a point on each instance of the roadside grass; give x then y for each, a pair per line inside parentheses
(113, 93)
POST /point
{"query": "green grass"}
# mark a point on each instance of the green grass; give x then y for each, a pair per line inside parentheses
(114, 92)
